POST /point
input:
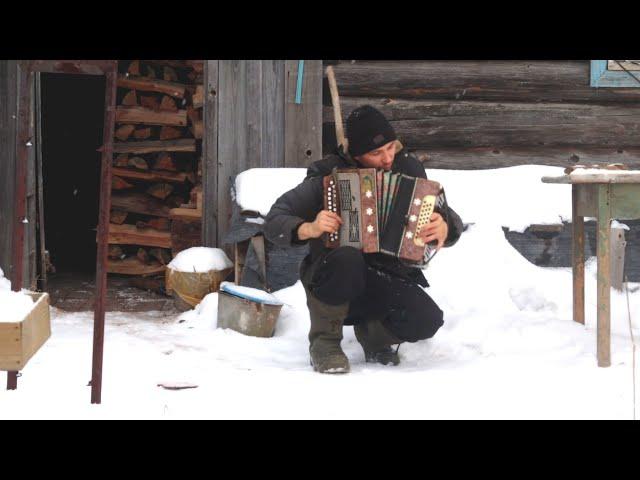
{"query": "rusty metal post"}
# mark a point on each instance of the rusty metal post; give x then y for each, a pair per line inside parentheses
(12, 380)
(103, 232)
(578, 258)
(24, 142)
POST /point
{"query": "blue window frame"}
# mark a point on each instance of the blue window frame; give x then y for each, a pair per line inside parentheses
(601, 76)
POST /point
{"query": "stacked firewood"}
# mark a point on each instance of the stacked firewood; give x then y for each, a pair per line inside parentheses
(156, 198)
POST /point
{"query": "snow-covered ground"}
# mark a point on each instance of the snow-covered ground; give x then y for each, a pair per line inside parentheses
(508, 348)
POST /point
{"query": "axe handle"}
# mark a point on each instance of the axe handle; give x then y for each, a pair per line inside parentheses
(337, 113)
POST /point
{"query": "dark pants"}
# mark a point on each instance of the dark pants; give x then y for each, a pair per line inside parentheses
(404, 307)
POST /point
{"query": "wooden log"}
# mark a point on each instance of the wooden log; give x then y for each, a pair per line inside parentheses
(118, 216)
(603, 252)
(163, 256)
(115, 252)
(197, 129)
(168, 104)
(122, 160)
(433, 124)
(135, 202)
(147, 85)
(170, 133)
(143, 256)
(124, 131)
(142, 133)
(139, 163)
(181, 145)
(185, 234)
(150, 117)
(160, 190)
(132, 266)
(198, 97)
(164, 161)
(151, 102)
(195, 77)
(508, 80)
(157, 223)
(195, 118)
(150, 284)
(196, 196)
(134, 68)
(130, 235)
(196, 65)
(192, 211)
(169, 74)
(577, 257)
(185, 214)
(130, 99)
(174, 201)
(171, 63)
(118, 183)
(152, 176)
(193, 114)
(149, 71)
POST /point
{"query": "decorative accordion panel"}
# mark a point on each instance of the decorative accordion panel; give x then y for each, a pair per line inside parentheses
(382, 211)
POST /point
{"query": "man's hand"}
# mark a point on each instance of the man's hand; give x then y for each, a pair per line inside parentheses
(436, 229)
(325, 222)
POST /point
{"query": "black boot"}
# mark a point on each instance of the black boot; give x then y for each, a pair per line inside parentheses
(376, 342)
(325, 336)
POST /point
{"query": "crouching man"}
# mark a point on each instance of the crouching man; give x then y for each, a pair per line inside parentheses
(380, 296)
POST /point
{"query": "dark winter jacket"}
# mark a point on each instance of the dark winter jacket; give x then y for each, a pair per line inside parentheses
(303, 203)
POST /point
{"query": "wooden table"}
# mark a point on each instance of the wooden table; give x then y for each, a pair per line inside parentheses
(605, 195)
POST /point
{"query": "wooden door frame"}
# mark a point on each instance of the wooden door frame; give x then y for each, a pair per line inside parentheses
(25, 140)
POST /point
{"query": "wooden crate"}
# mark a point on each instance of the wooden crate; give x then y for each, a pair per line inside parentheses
(20, 340)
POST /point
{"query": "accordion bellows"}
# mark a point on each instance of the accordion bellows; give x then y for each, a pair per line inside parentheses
(382, 212)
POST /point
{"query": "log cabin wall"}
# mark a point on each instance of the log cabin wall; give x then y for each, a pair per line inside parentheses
(8, 110)
(489, 114)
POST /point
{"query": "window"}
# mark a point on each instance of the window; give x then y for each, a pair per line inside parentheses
(615, 73)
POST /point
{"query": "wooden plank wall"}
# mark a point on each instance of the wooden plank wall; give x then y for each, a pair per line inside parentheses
(489, 114)
(253, 121)
(8, 109)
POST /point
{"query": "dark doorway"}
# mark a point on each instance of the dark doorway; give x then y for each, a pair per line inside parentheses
(72, 113)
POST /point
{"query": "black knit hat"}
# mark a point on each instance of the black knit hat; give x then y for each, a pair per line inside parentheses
(368, 129)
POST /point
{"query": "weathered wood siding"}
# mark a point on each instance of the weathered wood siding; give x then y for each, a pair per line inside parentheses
(8, 108)
(252, 120)
(488, 114)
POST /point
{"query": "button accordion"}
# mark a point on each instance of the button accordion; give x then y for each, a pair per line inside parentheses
(383, 212)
